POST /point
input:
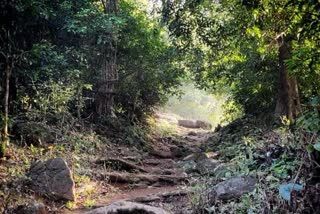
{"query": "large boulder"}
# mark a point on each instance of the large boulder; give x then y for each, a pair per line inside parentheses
(234, 187)
(52, 178)
(128, 208)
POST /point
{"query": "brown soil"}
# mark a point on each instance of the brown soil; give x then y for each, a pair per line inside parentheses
(146, 177)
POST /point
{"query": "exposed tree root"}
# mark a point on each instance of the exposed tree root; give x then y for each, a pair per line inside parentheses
(120, 164)
(160, 197)
(146, 178)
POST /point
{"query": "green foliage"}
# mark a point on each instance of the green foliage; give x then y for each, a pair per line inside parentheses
(235, 43)
(224, 51)
(148, 65)
(59, 48)
(310, 120)
(304, 63)
(161, 128)
(56, 101)
(91, 20)
(88, 203)
(231, 111)
(282, 167)
(134, 134)
(246, 147)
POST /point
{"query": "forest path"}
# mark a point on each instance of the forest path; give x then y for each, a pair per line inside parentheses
(155, 177)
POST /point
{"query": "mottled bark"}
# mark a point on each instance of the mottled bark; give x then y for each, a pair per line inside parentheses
(288, 101)
(108, 72)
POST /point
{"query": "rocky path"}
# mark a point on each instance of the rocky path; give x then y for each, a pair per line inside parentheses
(191, 171)
(157, 178)
(174, 174)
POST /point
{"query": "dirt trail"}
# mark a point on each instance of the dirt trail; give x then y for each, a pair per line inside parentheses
(153, 177)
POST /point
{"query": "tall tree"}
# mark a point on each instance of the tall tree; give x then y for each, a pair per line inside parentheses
(288, 99)
(108, 72)
(286, 22)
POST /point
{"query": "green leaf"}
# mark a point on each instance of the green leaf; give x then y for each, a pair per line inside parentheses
(317, 146)
(88, 86)
(310, 148)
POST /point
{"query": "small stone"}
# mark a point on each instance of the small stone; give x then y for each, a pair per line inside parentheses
(196, 157)
(35, 208)
(161, 154)
(188, 166)
(53, 178)
(192, 133)
(234, 187)
(203, 125)
(207, 166)
(189, 157)
(179, 151)
(214, 139)
(188, 124)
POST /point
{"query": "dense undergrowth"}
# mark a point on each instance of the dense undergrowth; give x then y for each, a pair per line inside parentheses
(275, 155)
(35, 141)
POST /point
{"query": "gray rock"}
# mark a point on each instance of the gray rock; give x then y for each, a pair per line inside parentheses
(195, 124)
(52, 178)
(196, 156)
(234, 187)
(207, 166)
(188, 166)
(180, 151)
(214, 139)
(188, 124)
(127, 207)
(192, 133)
(35, 208)
(203, 124)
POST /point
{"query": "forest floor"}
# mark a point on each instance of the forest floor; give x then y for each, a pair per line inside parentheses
(176, 170)
(154, 177)
(105, 172)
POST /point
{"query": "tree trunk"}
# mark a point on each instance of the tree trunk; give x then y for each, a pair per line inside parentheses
(108, 72)
(288, 101)
(5, 132)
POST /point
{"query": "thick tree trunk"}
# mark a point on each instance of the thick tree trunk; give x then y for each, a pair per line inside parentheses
(108, 76)
(288, 101)
(108, 72)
